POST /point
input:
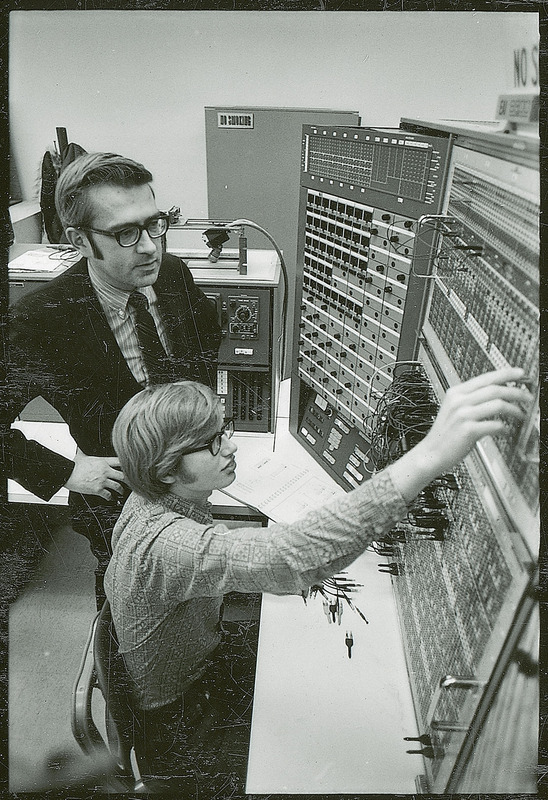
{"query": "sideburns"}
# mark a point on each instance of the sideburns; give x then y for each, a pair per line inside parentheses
(97, 253)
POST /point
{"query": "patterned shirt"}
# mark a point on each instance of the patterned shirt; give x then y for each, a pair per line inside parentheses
(172, 564)
(120, 317)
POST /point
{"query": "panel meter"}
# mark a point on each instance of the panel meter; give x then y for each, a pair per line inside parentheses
(243, 317)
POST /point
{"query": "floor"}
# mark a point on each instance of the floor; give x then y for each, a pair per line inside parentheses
(48, 627)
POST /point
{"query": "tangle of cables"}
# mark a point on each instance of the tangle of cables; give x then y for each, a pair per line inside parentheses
(335, 592)
(403, 416)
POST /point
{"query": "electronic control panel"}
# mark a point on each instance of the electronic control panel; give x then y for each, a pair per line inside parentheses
(483, 312)
(359, 281)
(397, 170)
(418, 267)
(249, 312)
(244, 317)
(461, 574)
(247, 376)
(464, 561)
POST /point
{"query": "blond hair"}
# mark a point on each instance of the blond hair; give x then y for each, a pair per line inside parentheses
(155, 428)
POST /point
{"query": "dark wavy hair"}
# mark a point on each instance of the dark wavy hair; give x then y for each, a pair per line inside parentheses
(72, 197)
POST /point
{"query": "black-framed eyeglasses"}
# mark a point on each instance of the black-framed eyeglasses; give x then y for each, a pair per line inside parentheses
(129, 236)
(214, 444)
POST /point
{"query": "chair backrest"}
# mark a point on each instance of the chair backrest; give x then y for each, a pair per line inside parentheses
(121, 714)
(83, 724)
(103, 668)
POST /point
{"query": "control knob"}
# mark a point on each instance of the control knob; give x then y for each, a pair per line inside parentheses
(243, 313)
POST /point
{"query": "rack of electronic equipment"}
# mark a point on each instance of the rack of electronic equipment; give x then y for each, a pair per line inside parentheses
(417, 268)
(246, 290)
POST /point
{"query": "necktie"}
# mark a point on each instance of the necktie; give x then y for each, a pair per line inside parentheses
(154, 355)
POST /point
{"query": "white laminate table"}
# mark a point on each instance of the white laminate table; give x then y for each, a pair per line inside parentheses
(324, 723)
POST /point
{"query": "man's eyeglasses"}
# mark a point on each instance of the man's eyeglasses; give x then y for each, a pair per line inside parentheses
(129, 236)
(214, 444)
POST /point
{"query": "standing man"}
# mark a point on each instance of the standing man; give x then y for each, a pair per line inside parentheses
(125, 316)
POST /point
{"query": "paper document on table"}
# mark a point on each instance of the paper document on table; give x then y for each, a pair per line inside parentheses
(44, 260)
(281, 491)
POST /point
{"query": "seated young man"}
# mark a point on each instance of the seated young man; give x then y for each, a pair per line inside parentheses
(172, 564)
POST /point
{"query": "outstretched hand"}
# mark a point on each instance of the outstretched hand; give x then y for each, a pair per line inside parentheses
(469, 411)
(96, 475)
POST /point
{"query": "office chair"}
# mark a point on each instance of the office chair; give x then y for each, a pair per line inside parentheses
(103, 669)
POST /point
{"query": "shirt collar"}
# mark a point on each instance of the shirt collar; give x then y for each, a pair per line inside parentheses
(113, 298)
(199, 512)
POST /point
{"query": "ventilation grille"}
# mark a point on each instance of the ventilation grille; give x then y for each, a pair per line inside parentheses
(250, 400)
